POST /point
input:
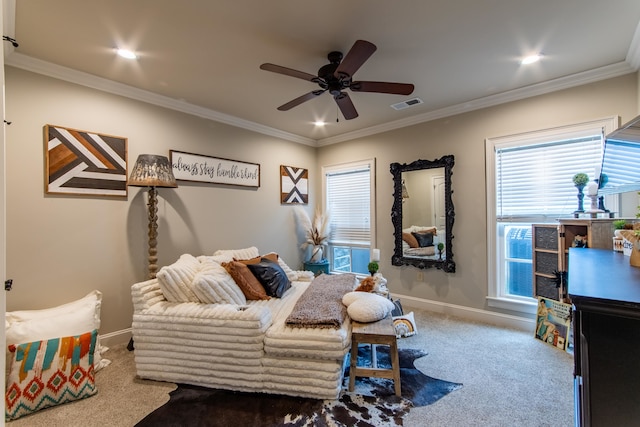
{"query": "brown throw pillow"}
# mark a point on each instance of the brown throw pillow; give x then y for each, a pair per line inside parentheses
(411, 241)
(247, 282)
(270, 256)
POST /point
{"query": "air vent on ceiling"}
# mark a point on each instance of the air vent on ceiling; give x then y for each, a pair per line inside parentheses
(406, 104)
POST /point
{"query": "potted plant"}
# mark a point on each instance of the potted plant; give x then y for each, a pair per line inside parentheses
(440, 249)
(618, 225)
(580, 180)
(373, 267)
(316, 233)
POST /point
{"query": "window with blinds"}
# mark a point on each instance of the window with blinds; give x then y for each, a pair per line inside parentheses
(536, 179)
(530, 180)
(349, 202)
(348, 193)
(620, 166)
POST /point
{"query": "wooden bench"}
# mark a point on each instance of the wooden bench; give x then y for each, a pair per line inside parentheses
(380, 332)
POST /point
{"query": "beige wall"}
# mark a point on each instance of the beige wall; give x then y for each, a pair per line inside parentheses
(59, 247)
(463, 136)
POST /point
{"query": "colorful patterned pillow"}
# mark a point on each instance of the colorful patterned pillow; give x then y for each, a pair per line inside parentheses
(73, 318)
(405, 325)
(50, 372)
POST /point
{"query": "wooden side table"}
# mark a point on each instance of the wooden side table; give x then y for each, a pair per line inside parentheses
(380, 332)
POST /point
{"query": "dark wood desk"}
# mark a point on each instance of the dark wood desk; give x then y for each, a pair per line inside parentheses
(605, 291)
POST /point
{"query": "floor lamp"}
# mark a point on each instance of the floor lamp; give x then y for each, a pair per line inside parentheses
(152, 171)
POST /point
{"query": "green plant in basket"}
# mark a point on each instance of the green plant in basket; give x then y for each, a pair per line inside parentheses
(373, 267)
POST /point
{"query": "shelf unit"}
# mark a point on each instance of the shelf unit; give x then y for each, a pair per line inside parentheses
(551, 243)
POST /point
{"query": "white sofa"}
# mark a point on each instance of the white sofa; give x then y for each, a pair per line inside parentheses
(243, 347)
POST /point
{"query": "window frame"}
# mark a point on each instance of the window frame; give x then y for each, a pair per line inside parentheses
(350, 166)
(496, 296)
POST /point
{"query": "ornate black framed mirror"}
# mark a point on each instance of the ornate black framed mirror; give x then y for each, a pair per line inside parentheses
(423, 214)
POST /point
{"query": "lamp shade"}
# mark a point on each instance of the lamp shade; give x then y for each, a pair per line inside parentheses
(152, 170)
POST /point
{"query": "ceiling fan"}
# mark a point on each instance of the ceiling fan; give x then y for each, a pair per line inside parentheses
(337, 76)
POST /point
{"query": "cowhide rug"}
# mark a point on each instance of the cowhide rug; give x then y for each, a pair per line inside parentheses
(372, 403)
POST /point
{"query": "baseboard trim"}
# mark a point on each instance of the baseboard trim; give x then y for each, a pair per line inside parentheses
(114, 338)
(499, 319)
(474, 314)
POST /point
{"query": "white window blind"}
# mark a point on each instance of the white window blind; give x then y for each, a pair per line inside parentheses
(349, 203)
(536, 179)
(620, 167)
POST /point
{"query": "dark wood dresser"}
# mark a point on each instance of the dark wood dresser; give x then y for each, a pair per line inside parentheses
(605, 292)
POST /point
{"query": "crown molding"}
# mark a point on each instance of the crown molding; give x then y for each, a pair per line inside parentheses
(89, 80)
(633, 55)
(579, 79)
(28, 63)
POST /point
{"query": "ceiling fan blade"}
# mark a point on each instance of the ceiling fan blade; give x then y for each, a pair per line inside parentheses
(382, 87)
(346, 106)
(299, 100)
(359, 53)
(289, 72)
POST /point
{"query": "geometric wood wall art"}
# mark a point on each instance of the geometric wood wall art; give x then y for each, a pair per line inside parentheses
(84, 163)
(294, 185)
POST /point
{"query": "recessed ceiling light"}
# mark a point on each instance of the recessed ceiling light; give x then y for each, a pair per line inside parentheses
(319, 123)
(531, 59)
(125, 53)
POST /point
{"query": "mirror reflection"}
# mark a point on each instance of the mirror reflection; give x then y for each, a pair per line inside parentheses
(423, 214)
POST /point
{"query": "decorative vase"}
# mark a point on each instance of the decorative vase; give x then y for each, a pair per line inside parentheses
(317, 253)
(580, 198)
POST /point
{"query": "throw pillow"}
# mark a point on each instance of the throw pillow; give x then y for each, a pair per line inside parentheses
(271, 276)
(292, 275)
(246, 281)
(366, 307)
(411, 241)
(50, 372)
(245, 253)
(397, 311)
(175, 279)
(424, 239)
(405, 325)
(73, 318)
(270, 256)
(213, 285)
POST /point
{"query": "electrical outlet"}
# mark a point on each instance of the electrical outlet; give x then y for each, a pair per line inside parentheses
(420, 276)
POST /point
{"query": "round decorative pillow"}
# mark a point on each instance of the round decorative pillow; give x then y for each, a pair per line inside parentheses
(404, 325)
(366, 307)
